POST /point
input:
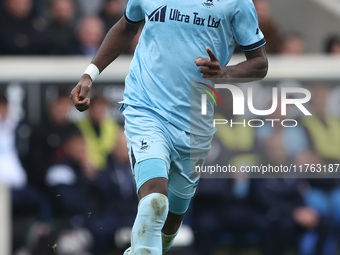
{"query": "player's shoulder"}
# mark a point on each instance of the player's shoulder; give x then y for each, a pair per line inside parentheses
(244, 6)
(244, 3)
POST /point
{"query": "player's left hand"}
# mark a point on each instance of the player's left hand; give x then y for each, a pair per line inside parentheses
(210, 68)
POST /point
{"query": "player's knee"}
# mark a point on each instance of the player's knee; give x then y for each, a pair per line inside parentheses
(177, 205)
(143, 251)
(155, 206)
(159, 205)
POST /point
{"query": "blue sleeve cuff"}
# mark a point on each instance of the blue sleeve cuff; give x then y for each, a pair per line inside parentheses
(254, 46)
(131, 21)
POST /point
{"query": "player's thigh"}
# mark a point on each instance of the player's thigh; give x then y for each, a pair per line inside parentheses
(154, 185)
(192, 151)
(149, 150)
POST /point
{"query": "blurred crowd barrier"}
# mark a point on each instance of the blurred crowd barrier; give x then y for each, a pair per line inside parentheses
(5, 222)
(33, 81)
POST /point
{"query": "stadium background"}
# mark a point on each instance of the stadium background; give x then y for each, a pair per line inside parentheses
(32, 80)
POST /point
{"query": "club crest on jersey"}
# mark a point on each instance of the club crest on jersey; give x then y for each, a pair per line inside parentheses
(208, 3)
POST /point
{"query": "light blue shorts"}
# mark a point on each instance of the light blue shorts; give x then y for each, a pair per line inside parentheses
(150, 136)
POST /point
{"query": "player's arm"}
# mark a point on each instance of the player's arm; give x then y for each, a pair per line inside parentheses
(114, 43)
(253, 68)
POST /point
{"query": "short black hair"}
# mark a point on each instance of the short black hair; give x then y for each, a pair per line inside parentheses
(330, 41)
(3, 98)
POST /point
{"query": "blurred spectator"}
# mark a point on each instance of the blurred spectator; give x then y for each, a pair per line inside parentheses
(117, 179)
(323, 203)
(119, 202)
(72, 186)
(294, 138)
(48, 139)
(20, 32)
(112, 11)
(226, 209)
(322, 128)
(71, 180)
(89, 7)
(282, 202)
(12, 172)
(90, 34)
(25, 197)
(292, 44)
(233, 144)
(42, 8)
(60, 36)
(101, 202)
(332, 45)
(268, 25)
(324, 142)
(100, 131)
(27, 201)
(225, 214)
(77, 241)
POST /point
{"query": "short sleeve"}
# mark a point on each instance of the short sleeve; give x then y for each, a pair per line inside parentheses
(246, 27)
(133, 12)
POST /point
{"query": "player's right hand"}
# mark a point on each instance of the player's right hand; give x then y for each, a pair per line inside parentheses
(80, 92)
(210, 68)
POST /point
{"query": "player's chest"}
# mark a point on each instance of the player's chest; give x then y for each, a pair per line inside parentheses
(200, 13)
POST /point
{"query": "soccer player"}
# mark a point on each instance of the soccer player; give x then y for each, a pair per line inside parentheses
(180, 40)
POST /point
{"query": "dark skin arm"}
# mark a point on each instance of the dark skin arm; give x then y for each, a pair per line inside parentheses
(120, 36)
(253, 68)
(115, 42)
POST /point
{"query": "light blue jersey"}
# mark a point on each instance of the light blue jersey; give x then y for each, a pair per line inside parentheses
(175, 34)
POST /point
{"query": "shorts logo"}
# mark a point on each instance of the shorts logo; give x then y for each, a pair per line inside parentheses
(144, 144)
